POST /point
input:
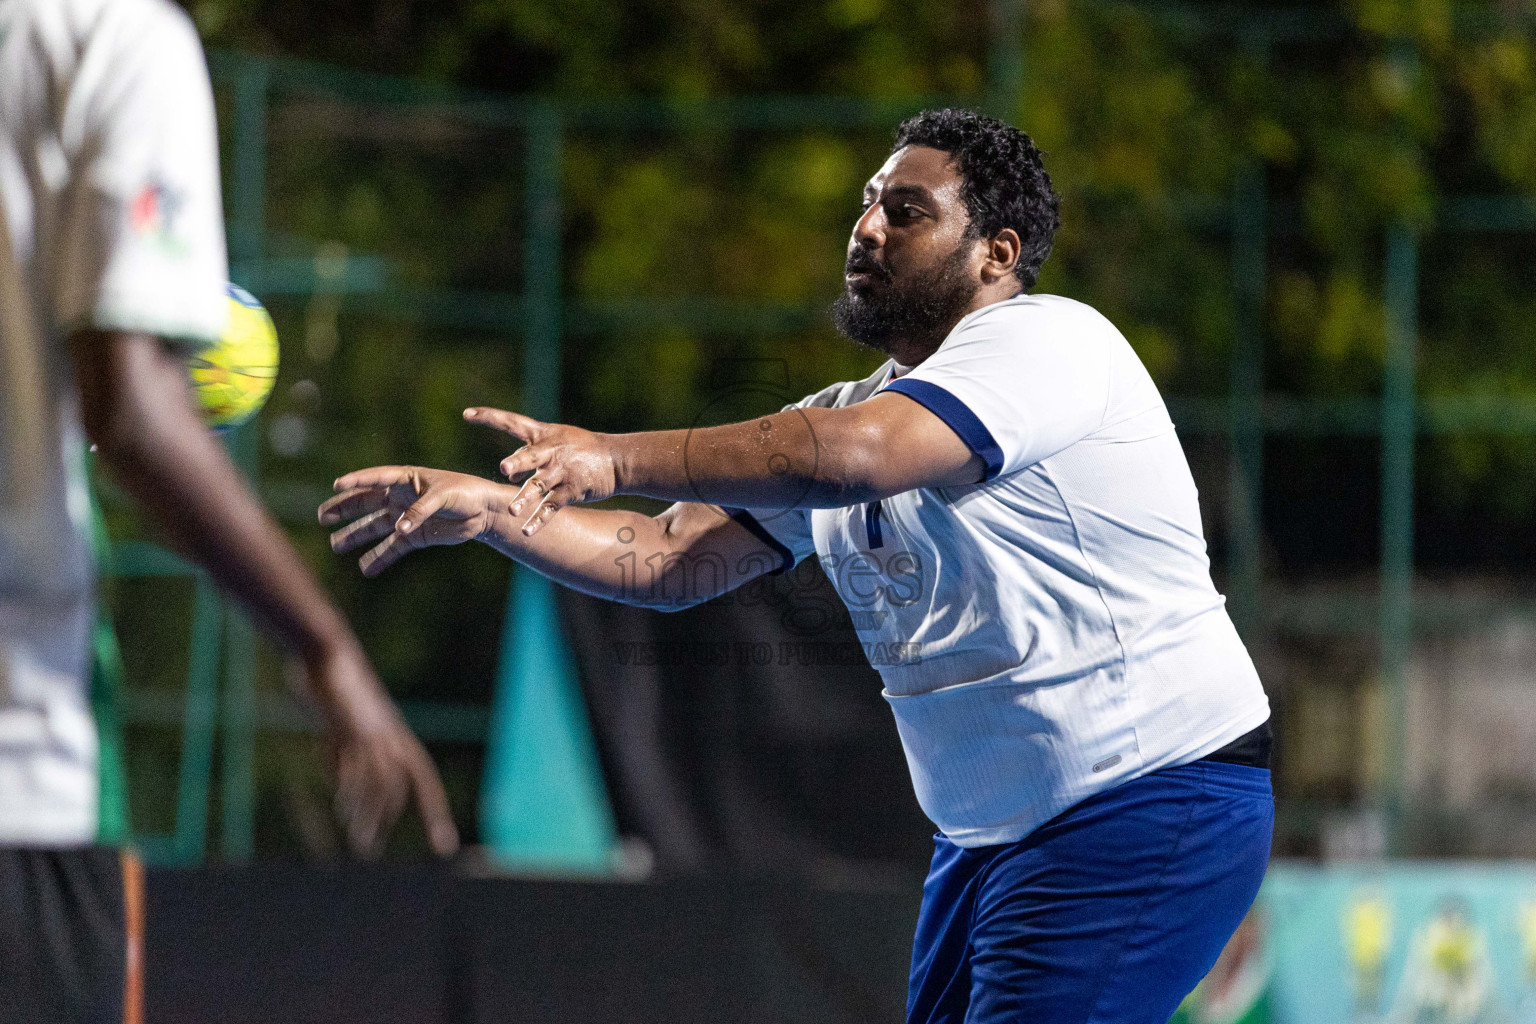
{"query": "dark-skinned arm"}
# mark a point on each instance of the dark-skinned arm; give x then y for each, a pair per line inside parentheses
(806, 458)
(137, 410)
(687, 554)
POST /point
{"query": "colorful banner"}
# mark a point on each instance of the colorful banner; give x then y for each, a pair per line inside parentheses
(1380, 944)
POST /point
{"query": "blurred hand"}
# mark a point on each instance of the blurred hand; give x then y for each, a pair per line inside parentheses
(409, 508)
(380, 766)
(558, 465)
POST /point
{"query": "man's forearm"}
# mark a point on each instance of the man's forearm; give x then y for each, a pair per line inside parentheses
(810, 458)
(601, 552)
(629, 557)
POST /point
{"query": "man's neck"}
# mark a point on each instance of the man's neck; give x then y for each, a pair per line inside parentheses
(908, 353)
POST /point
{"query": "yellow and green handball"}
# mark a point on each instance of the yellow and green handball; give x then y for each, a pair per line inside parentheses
(233, 379)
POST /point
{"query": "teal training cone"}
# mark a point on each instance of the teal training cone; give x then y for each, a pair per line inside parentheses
(543, 806)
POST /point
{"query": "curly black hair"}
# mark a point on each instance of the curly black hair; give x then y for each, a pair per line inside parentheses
(1004, 183)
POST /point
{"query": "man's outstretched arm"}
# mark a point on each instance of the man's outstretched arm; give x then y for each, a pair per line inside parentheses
(688, 554)
(138, 412)
(807, 458)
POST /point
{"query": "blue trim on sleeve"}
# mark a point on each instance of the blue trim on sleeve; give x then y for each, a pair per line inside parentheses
(758, 530)
(957, 415)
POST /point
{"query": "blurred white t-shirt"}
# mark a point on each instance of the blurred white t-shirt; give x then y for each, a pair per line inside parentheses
(1051, 631)
(110, 217)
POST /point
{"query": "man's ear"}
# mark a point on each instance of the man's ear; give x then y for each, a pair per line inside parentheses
(1002, 255)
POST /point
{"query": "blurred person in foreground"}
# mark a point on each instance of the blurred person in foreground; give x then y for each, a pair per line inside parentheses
(112, 269)
(1006, 506)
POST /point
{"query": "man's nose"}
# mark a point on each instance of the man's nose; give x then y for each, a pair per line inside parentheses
(869, 229)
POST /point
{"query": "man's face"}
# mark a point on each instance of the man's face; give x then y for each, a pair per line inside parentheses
(913, 265)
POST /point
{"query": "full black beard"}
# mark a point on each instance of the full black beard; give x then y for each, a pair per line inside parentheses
(919, 311)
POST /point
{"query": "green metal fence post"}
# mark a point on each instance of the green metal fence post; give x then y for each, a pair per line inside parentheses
(1005, 57)
(238, 789)
(199, 722)
(541, 264)
(248, 173)
(1400, 288)
(1246, 400)
(1397, 439)
(543, 804)
(112, 815)
(247, 245)
(238, 795)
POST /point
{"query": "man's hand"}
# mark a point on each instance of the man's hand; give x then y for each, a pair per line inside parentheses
(558, 465)
(379, 764)
(409, 508)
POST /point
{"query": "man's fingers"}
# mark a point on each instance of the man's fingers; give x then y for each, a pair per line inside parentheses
(432, 803)
(394, 789)
(531, 492)
(378, 805)
(514, 423)
(362, 825)
(349, 783)
(557, 498)
(375, 476)
(393, 548)
(354, 801)
(369, 528)
(398, 542)
(425, 507)
(541, 515)
(352, 503)
(524, 460)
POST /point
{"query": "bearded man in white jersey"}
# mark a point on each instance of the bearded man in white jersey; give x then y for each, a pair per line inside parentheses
(1007, 492)
(112, 271)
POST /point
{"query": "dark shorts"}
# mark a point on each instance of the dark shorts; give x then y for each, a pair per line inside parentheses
(71, 936)
(1110, 913)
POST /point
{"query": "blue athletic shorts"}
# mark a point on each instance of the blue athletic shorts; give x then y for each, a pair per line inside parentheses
(1109, 913)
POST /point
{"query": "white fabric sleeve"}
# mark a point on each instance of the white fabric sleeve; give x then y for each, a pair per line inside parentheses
(786, 531)
(1019, 381)
(140, 244)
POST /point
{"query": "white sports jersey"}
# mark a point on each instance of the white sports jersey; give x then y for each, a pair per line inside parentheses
(1052, 631)
(110, 218)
